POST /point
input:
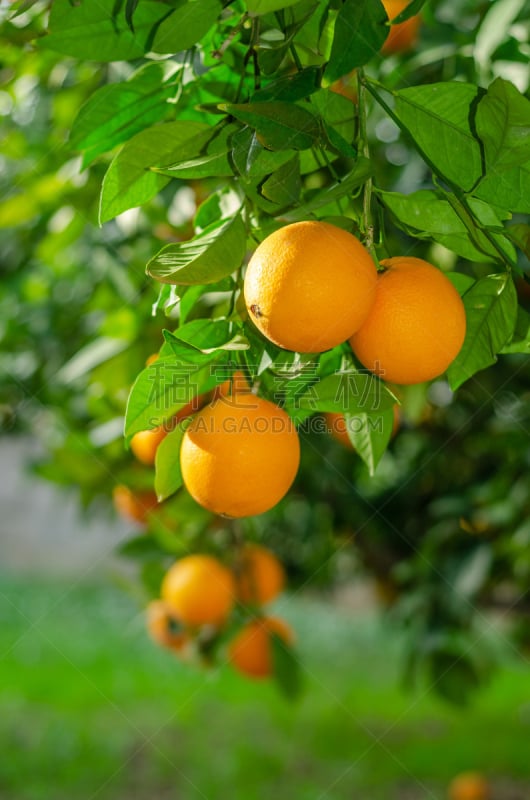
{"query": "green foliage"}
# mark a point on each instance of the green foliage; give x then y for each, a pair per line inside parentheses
(194, 129)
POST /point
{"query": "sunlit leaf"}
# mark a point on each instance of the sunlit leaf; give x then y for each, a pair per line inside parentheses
(211, 255)
(129, 182)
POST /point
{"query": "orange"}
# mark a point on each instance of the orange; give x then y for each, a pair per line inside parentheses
(151, 359)
(133, 505)
(309, 286)
(163, 628)
(199, 590)
(144, 444)
(239, 458)
(251, 650)
(404, 36)
(260, 576)
(337, 426)
(416, 326)
(469, 786)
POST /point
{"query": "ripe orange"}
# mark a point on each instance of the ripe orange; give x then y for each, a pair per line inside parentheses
(469, 786)
(251, 650)
(133, 505)
(144, 444)
(240, 458)
(260, 577)
(163, 628)
(416, 326)
(404, 36)
(337, 426)
(309, 286)
(199, 590)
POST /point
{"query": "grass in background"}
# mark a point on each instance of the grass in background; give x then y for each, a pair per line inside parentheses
(91, 709)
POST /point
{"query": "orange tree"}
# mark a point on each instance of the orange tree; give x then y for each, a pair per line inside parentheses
(207, 130)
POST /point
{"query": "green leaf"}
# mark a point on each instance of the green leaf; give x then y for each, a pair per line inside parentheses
(213, 162)
(510, 191)
(428, 214)
(114, 113)
(291, 88)
(360, 31)
(208, 335)
(166, 386)
(491, 308)
(503, 124)
(183, 351)
(409, 11)
(348, 392)
(283, 187)
(168, 477)
(285, 667)
(357, 176)
(94, 31)
(338, 119)
(129, 182)
(460, 281)
(211, 255)
(520, 234)
(222, 204)
(209, 165)
(279, 125)
(260, 7)
(437, 117)
(520, 342)
(370, 434)
(185, 25)
(252, 160)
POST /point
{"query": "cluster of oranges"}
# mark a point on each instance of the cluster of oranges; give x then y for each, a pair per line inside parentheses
(311, 286)
(201, 597)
